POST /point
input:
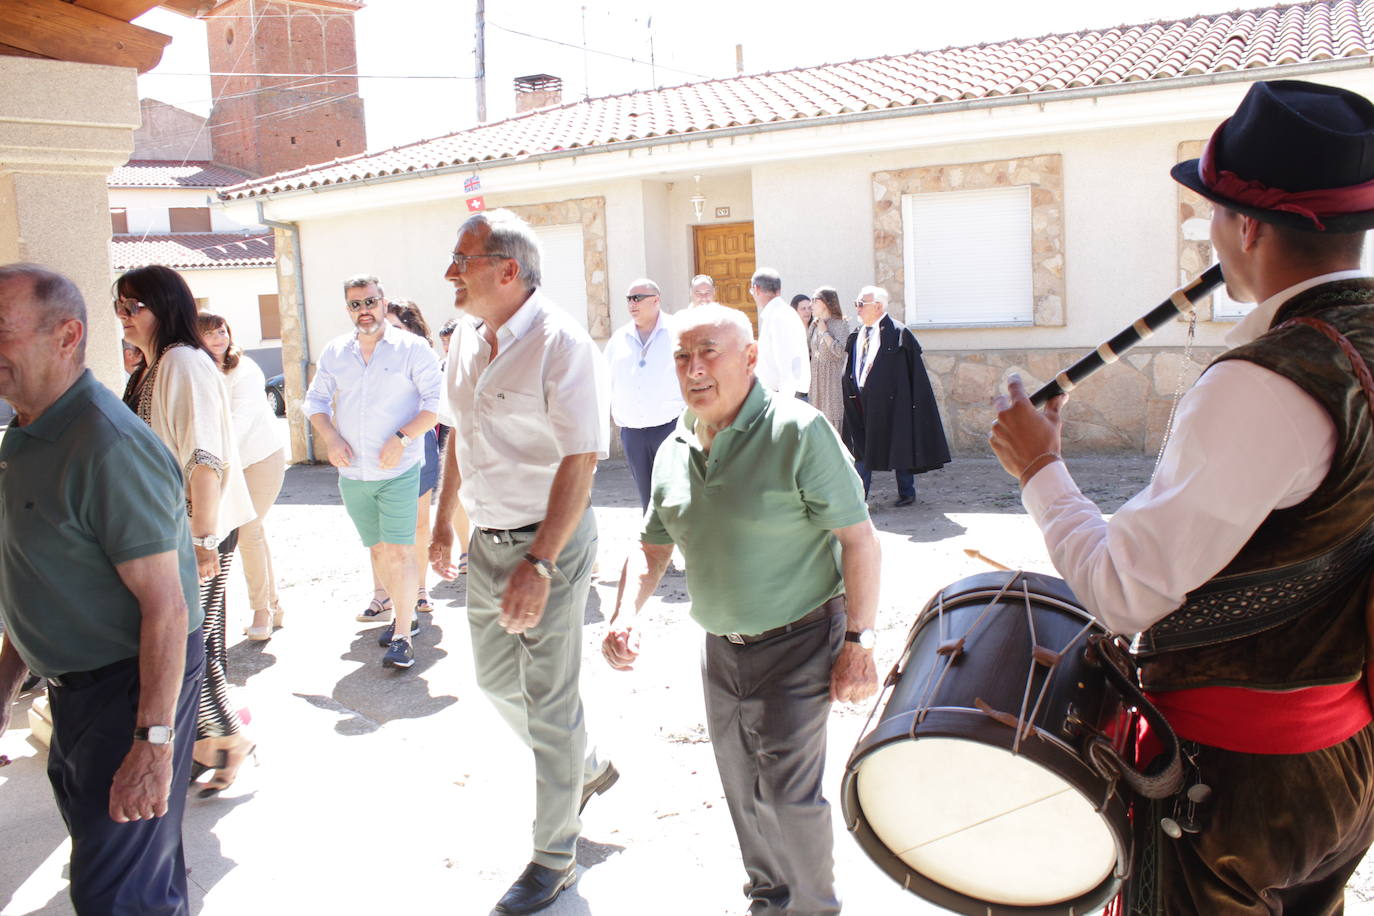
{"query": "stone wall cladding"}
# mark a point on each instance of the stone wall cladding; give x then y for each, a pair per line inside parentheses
(1044, 175)
(1194, 217)
(1123, 409)
(590, 212)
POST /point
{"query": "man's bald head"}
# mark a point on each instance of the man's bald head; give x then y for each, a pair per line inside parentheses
(715, 354)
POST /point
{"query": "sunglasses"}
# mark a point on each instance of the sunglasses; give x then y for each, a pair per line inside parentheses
(460, 261)
(639, 297)
(127, 308)
(359, 304)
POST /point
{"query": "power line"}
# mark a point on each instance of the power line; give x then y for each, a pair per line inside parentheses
(334, 74)
(555, 41)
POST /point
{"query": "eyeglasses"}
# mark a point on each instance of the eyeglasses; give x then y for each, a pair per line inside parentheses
(639, 297)
(460, 261)
(127, 308)
(859, 303)
(369, 302)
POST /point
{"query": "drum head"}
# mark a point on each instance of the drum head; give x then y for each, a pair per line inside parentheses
(984, 823)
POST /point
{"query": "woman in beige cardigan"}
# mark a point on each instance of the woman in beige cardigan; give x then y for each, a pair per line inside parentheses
(181, 395)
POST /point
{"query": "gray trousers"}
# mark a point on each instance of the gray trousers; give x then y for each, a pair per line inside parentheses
(532, 678)
(766, 710)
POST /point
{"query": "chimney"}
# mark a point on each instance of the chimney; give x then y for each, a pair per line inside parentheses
(538, 90)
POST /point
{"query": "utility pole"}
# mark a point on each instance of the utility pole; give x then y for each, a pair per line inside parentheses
(481, 61)
(586, 71)
(653, 71)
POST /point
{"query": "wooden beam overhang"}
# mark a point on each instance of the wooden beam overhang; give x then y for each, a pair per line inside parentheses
(81, 32)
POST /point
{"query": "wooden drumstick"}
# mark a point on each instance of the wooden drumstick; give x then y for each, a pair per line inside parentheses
(978, 555)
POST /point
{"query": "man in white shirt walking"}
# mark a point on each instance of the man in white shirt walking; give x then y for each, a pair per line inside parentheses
(784, 359)
(375, 393)
(528, 395)
(645, 397)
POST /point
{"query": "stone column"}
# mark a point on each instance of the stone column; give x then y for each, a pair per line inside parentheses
(63, 128)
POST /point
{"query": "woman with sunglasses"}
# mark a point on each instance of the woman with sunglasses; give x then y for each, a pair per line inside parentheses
(406, 315)
(264, 467)
(182, 396)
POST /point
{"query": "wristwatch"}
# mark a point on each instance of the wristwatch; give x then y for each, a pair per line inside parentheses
(545, 568)
(209, 542)
(155, 734)
(866, 638)
(405, 440)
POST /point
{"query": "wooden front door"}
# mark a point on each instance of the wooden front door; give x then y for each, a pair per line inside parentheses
(725, 253)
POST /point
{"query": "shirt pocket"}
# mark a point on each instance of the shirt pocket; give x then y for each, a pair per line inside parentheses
(513, 416)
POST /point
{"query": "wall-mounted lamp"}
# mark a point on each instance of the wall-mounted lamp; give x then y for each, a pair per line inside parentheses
(697, 199)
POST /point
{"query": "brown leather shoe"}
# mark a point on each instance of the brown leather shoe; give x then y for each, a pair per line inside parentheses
(598, 784)
(537, 887)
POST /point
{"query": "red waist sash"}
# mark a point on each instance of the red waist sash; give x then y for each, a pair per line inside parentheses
(1267, 721)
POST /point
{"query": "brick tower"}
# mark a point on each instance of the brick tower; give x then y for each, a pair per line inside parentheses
(268, 124)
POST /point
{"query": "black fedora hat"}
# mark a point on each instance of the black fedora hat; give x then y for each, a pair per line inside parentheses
(1295, 154)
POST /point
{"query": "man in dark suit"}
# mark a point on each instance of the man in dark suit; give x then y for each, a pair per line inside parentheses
(890, 419)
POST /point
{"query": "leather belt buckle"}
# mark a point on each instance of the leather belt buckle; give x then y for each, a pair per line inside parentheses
(735, 638)
(55, 682)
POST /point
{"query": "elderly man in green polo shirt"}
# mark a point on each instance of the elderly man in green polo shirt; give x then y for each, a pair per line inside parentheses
(98, 594)
(783, 563)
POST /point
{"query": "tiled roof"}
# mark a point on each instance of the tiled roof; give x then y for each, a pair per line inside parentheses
(156, 173)
(193, 249)
(1267, 37)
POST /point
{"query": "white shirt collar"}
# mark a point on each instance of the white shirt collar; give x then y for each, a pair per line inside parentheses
(518, 324)
(632, 330)
(1257, 322)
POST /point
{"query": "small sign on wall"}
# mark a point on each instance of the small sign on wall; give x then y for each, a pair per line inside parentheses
(722, 212)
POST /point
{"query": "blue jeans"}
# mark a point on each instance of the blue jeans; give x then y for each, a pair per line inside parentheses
(641, 444)
(906, 481)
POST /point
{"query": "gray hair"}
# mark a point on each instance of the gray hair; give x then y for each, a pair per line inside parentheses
(713, 315)
(55, 296)
(702, 278)
(361, 280)
(645, 281)
(509, 236)
(768, 280)
(879, 294)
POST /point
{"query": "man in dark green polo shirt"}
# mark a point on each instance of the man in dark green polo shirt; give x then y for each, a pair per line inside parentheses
(98, 594)
(782, 569)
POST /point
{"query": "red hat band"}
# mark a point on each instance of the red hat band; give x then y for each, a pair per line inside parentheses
(1329, 201)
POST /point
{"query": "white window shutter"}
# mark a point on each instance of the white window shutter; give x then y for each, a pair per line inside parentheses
(968, 257)
(563, 268)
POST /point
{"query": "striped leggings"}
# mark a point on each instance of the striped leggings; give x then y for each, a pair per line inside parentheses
(217, 716)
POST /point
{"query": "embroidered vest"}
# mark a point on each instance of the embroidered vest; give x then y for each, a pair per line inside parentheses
(1288, 610)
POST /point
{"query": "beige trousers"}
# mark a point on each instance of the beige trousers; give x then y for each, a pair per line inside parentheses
(264, 481)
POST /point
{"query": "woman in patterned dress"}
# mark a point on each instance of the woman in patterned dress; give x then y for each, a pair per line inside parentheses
(826, 338)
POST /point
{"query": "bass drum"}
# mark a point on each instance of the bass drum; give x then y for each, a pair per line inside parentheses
(975, 790)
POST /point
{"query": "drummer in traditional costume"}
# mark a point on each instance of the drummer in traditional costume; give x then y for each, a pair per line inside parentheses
(1245, 565)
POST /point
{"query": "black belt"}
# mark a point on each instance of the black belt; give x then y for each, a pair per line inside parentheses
(830, 608)
(500, 534)
(75, 680)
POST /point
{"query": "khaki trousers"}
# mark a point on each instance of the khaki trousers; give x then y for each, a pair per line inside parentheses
(264, 480)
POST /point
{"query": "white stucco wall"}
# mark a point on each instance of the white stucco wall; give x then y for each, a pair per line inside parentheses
(234, 293)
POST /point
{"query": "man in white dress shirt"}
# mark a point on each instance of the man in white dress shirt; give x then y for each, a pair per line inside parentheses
(528, 397)
(375, 393)
(784, 359)
(645, 397)
(702, 291)
(1245, 563)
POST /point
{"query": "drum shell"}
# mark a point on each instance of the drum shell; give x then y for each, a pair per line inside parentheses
(992, 667)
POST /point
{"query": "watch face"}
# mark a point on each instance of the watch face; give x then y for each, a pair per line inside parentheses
(155, 734)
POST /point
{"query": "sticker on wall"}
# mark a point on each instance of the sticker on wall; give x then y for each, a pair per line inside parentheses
(472, 183)
(475, 204)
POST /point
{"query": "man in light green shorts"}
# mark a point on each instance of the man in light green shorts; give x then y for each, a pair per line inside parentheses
(375, 393)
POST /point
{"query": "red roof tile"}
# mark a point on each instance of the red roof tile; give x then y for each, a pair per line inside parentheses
(193, 249)
(1273, 36)
(154, 173)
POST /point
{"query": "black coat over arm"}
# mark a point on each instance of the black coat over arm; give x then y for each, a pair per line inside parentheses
(893, 424)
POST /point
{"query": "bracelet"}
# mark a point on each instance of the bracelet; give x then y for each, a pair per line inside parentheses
(1034, 466)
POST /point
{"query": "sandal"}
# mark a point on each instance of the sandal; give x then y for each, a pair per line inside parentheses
(378, 611)
(230, 753)
(423, 606)
(462, 564)
(264, 633)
